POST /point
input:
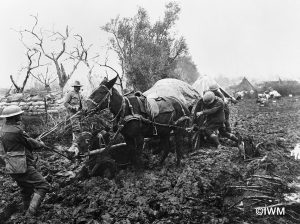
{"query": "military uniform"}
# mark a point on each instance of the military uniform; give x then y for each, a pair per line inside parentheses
(226, 109)
(32, 183)
(73, 103)
(215, 118)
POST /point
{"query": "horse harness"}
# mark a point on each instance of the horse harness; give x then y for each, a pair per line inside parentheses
(123, 119)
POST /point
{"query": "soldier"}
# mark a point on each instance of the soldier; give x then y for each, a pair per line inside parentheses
(17, 149)
(73, 103)
(215, 89)
(213, 109)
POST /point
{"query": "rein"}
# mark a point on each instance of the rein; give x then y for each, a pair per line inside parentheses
(108, 95)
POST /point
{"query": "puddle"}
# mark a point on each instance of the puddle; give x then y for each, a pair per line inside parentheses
(294, 197)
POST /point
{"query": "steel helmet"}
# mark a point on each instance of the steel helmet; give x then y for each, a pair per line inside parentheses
(208, 97)
(11, 111)
(213, 87)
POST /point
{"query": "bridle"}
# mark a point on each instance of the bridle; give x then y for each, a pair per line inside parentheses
(108, 97)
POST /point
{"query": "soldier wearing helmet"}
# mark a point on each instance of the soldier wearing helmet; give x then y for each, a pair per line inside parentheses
(216, 90)
(17, 149)
(212, 107)
(74, 103)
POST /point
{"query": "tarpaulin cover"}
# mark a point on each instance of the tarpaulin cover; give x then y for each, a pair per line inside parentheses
(174, 88)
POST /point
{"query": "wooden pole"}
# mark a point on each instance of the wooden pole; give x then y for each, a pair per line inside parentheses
(98, 151)
(46, 109)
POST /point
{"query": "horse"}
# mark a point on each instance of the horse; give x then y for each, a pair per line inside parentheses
(134, 125)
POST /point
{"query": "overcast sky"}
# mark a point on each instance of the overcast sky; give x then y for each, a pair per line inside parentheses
(253, 38)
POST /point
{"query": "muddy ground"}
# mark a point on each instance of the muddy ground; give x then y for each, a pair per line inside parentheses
(212, 186)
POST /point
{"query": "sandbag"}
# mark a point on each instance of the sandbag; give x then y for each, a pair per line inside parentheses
(176, 88)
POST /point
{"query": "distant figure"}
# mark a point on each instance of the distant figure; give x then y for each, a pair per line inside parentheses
(74, 103)
(17, 148)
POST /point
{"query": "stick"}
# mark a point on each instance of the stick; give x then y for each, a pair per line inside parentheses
(251, 159)
(251, 187)
(254, 190)
(57, 152)
(268, 178)
(44, 134)
(260, 197)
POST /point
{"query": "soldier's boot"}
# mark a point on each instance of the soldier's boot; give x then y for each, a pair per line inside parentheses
(233, 137)
(26, 202)
(35, 204)
(214, 138)
(74, 147)
(241, 146)
(227, 126)
(239, 141)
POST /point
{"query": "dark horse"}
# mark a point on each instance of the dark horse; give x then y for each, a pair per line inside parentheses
(134, 127)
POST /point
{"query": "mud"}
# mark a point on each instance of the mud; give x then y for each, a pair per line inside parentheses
(212, 186)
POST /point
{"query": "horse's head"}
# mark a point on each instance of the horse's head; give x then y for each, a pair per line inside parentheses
(100, 97)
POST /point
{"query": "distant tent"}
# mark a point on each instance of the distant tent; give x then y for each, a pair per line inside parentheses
(203, 82)
(245, 88)
(245, 85)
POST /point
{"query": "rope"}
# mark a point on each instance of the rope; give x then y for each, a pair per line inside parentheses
(46, 133)
(166, 125)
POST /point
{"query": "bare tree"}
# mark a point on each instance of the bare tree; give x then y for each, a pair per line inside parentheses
(120, 47)
(56, 57)
(120, 77)
(33, 57)
(80, 53)
(45, 78)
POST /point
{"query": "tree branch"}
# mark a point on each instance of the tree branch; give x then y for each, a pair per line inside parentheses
(14, 83)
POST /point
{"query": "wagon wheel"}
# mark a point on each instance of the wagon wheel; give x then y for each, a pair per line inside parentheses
(105, 168)
(196, 139)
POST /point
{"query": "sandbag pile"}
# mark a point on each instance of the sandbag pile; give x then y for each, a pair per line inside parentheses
(34, 105)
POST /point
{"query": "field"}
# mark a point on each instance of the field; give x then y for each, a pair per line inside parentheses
(212, 186)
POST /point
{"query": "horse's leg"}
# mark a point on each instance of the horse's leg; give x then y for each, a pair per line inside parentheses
(165, 147)
(139, 143)
(131, 148)
(135, 146)
(178, 140)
